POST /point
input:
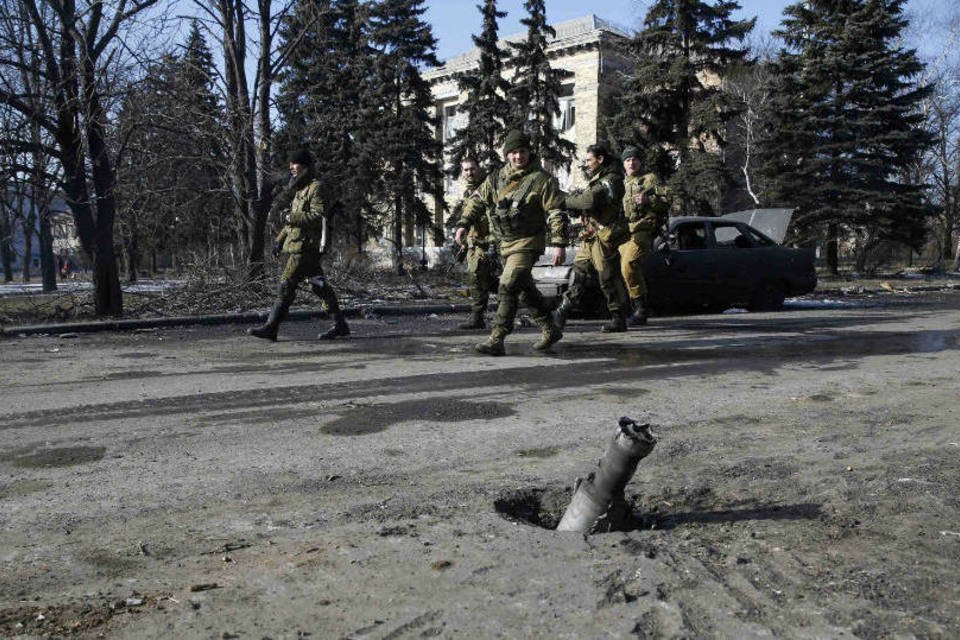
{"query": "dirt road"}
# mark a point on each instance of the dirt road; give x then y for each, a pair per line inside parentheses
(200, 484)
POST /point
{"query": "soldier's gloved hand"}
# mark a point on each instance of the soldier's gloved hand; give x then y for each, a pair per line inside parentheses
(277, 248)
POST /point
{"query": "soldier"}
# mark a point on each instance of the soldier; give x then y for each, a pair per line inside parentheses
(604, 229)
(521, 202)
(481, 267)
(304, 238)
(646, 205)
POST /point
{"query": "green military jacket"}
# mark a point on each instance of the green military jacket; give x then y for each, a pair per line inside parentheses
(522, 207)
(479, 234)
(651, 214)
(601, 203)
(304, 228)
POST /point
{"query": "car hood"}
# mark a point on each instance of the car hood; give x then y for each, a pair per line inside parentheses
(773, 223)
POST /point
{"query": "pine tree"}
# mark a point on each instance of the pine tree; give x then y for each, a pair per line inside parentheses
(674, 104)
(534, 95)
(410, 154)
(850, 125)
(326, 102)
(486, 107)
(169, 185)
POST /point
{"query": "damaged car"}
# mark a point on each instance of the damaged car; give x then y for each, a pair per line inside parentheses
(710, 264)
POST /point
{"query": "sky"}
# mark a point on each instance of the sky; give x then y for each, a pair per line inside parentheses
(454, 21)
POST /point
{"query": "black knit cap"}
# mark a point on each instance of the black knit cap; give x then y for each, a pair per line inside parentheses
(301, 156)
(631, 152)
(515, 139)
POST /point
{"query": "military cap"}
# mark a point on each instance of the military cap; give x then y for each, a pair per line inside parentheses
(301, 156)
(631, 152)
(515, 140)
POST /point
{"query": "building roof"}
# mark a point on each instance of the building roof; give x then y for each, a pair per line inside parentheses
(570, 33)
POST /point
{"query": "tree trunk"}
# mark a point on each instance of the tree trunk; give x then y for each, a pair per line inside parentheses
(27, 227)
(48, 263)
(833, 250)
(132, 246)
(398, 229)
(108, 297)
(6, 249)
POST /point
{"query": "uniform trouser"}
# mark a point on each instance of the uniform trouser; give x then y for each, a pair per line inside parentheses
(307, 266)
(633, 252)
(480, 279)
(517, 286)
(602, 258)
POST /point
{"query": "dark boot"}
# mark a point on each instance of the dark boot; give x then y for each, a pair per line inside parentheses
(476, 321)
(617, 324)
(268, 331)
(339, 328)
(640, 312)
(562, 312)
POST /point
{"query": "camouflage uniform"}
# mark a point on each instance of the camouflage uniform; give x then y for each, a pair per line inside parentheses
(302, 239)
(482, 266)
(521, 205)
(644, 222)
(604, 229)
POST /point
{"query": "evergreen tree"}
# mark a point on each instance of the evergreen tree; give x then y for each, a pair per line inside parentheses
(170, 191)
(410, 154)
(324, 90)
(674, 104)
(535, 91)
(486, 107)
(850, 126)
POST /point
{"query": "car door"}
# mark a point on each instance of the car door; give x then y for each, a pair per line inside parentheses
(680, 277)
(734, 262)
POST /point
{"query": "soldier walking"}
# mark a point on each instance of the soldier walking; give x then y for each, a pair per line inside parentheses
(304, 238)
(522, 202)
(481, 262)
(646, 205)
(604, 228)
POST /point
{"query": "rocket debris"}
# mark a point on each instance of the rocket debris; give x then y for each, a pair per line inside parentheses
(598, 502)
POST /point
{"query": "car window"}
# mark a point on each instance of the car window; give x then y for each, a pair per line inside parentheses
(692, 235)
(728, 236)
(757, 239)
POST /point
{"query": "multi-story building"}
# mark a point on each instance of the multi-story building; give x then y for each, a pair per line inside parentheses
(587, 47)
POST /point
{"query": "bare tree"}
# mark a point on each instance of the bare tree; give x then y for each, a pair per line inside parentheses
(250, 135)
(79, 43)
(751, 86)
(941, 165)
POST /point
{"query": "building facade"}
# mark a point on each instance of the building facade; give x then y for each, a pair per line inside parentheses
(587, 47)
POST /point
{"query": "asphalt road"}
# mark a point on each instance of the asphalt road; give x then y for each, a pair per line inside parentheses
(197, 483)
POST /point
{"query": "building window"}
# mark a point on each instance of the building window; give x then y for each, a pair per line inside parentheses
(567, 117)
(451, 122)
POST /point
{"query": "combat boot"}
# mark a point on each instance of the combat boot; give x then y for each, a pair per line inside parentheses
(640, 312)
(339, 328)
(268, 331)
(265, 332)
(475, 322)
(617, 324)
(492, 346)
(550, 334)
(562, 312)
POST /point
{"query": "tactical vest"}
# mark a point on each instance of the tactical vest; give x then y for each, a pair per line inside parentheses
(515, 215)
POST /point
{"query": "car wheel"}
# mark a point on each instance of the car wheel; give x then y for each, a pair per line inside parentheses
(769, 296)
